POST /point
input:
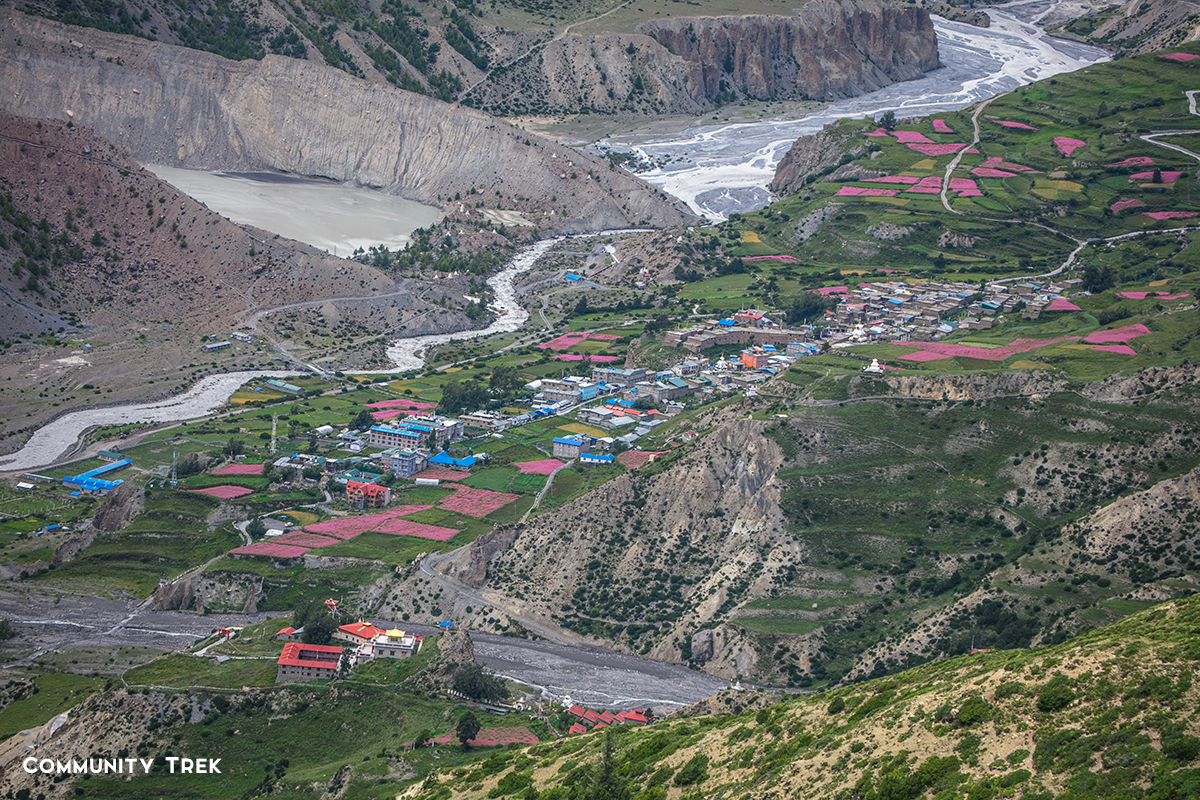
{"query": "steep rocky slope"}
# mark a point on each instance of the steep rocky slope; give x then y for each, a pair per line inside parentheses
(856, 536)
(826, 49)
(185, 108)
(97, 251)
(1140, 26)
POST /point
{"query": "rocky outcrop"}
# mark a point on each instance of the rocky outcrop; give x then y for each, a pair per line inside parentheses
(178, 107)
(813, 155)
(120, 506)
(979, 19)
(826, 49)
(469, 565)
(1144, 26)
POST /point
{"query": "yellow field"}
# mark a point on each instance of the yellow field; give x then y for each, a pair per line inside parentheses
(750, 237)
(586, 430)
(1025, 365)
(301, 518)
(924, 163)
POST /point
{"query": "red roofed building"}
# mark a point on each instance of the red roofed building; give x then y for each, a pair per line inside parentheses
(285, 634)
(357, 633)
(307, 662)
(577, 711)
(367, 495)
(599, 725)
(576, 728)
(591, 716)
(607, 718)
(637, 715)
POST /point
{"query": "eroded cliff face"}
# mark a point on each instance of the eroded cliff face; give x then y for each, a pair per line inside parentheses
(185, 108)
(827, 49)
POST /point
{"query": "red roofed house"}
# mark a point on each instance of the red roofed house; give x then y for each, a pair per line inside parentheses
(307, 662)
(576, 710)
(577, 728)
(357, 633)
(637, 715)
(285, 634)
(599, 725)
(591, 716)
(607, 718)
(367, 495)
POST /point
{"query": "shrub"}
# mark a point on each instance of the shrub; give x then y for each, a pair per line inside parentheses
(1056, 696)
(693, 771)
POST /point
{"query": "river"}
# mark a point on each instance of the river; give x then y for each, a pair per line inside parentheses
(722, 169)
(51, 441)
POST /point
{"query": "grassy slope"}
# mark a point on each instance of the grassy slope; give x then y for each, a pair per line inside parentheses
(1025, 221)
(1107, 714)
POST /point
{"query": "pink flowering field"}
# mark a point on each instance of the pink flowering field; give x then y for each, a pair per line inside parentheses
(1170, 214)
(632, 459)
(1167, 176)
(860, 191)
(402, 403)
(239, 469)
(1018, 125)
(271, 549)
(935, 351)
(905, 179)
(1062, 304)
(1123, 349)
(476, 503)
(825, 291)
(223, 492)
(608, 337)
(906, 137)
(564, 341)
(349, 527)
(1067, 145)
(1180, 56)
(392, 413)
(538, 467)
(988, 172)
(940, 126)
(932, 149)
(1121, 205)
(302, 539)
(877, 132)
(930, 185)
(1117, 335)
(995, 162)
(406, 527)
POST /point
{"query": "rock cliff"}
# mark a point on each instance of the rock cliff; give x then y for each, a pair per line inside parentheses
(826, 49)
(810, 155)
(185, 108)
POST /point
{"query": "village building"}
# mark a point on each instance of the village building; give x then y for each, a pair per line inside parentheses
(357, 633)
(367, 495)
(569, 447)
(308, 662)
(407, 461)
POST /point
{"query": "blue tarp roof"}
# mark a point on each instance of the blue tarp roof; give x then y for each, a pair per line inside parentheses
(726, 322)
(446, 459)
(571, 277)
(594, 457)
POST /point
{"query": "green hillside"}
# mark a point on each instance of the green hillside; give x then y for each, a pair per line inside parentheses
(1030, 206)
(1110, 714)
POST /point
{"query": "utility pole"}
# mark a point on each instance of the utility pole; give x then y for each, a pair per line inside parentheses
(274, 427)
